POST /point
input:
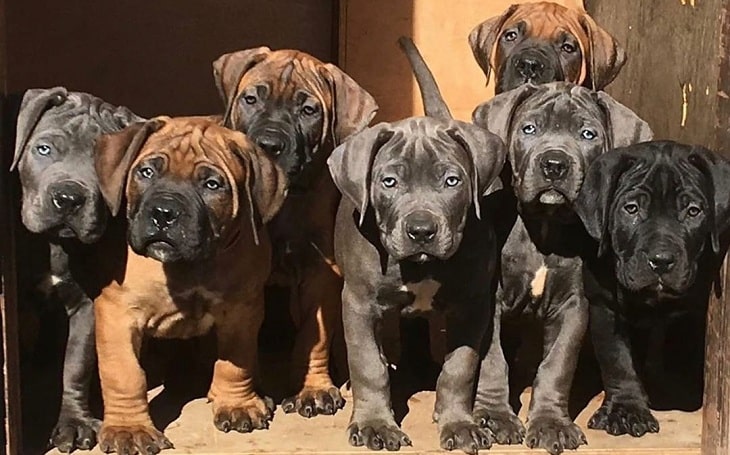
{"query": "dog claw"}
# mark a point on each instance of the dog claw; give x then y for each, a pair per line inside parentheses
(244, 418)
(624, 418)
(377, 434)
(312, 402)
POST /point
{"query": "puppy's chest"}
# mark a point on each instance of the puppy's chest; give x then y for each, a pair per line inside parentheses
(413, 298)
(184, 313)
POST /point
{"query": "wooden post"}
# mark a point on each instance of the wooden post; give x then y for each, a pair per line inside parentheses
(678, 80)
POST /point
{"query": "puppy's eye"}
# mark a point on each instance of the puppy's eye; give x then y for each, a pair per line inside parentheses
(309, 110)
(631, 208)
(693, 211)
(588, 135)
(212, 184)
(568, 48)
(249, 99)
(146, 172)
(529, 129)
(452, 181)
(510, 35)
(389, 182)
(43, 149)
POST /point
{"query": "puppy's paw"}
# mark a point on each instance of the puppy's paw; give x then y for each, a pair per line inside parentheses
(466, 436)
(77, 432)
(377, 434)
(244, 417)
(133, 439)
(554, 435)
(311, 402)
(506, 427)
(624, 418)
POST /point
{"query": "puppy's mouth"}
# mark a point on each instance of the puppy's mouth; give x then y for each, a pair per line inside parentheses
(161, 249)
(421, 258)
(552, 197)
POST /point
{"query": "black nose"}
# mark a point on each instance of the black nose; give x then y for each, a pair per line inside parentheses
(530, 67)
(554, 165)
(165, 213)
(421, 227)
(271, 143)
(67, 198)
(661, 262)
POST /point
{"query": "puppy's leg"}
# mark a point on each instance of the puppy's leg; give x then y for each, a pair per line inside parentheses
(625, 408)
(455, 387)
(372, 423)
(317, 312)
(549, 425)
(236, 405)
(492, 409)
(127, 426)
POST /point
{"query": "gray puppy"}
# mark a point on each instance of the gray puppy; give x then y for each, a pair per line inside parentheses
(54, 154)
(553, 132)
(414, 232)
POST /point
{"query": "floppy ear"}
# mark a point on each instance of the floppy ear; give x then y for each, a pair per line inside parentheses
(496, 114)
(228, 70)
(350, 164)
(607, 57)
(487, 153)
(717, 169)
(624, 127)
(35, 103)
(483, 37)
(354, 107)
(113, 156)
(593, 204)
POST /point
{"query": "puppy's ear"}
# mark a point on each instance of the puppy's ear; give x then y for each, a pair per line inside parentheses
(265, 186)
(35, 103)
(484, 36)
(606, 56)
(113, 156)
(717, 170)
(594, 202)
(487, 153)
(354, 108)
(350, 164)
(496, 114)
(624, 127)
(228, 70)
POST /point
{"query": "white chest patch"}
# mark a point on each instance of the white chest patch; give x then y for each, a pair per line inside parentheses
(424, 291)
(537, 285)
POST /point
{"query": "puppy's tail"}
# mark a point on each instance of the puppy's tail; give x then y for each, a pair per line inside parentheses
(433, 102)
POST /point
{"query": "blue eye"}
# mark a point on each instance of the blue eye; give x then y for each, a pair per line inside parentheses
(693, 211)
(146, 172)
(43, 149)
(631, 208)
(389, 182)
(529, 129)
(588, 134)
(452, 181)
(249, 99)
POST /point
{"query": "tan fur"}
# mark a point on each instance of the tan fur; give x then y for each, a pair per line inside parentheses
(182, 300)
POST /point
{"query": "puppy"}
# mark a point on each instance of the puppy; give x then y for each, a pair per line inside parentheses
(197, 195)
(298, 109)
(553, 132)
(658, 210)
(545, 42)
(54, 153)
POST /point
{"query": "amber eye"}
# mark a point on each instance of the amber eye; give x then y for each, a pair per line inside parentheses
(568, 48)
(631, 208)
(389, 182)
(693, 211)
(510, 35)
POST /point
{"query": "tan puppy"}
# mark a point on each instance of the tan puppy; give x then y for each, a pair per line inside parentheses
(298, 109)
(546, 42)
(197, 195)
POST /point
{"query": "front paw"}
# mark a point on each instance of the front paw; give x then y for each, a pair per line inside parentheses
(506, 427)
(311, 402)
(554, 434)
(622, 418)
(133, 439)
(377, 434)
(77, 432)
(466, 436)
(244, 417)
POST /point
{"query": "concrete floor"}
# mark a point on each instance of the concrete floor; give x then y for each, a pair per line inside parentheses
(193, 432)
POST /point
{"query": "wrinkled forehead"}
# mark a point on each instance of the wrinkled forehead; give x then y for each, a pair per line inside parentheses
(77, 129)
(285, 73)
(575, 106)
(421, 149)
(548, 21)
(665, 179)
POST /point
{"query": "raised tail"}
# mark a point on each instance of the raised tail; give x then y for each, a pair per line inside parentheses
(433, 102)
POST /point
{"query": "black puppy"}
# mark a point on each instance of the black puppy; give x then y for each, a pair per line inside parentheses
(553, 132)
(658, 210)
(55, 137)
